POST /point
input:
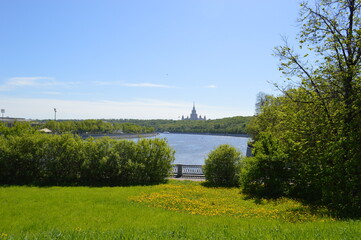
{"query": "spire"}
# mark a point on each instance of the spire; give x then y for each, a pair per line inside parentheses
(194, 113)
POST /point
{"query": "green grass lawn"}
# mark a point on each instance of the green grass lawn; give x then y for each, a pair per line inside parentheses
(177, 210)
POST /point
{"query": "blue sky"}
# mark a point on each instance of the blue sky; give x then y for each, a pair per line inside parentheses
(139, 58)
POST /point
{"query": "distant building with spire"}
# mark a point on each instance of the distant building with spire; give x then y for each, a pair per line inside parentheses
(194, 115)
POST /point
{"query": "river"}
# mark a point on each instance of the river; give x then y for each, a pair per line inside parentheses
(194, 148)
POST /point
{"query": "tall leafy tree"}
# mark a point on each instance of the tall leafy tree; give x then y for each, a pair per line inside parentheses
(330, 65)
(318, 119)
(261, 101)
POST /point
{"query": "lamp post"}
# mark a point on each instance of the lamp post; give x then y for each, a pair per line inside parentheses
(54, 114)
(2, 114)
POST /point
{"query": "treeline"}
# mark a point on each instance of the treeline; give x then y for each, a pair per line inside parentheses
(18, 129)
(42, 159)
(95, 127)
(234, 125)
(308, 140)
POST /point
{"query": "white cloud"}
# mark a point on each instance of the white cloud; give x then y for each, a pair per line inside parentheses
(30, 81)
(147, 85)
(211, 86)
(17, 82)
(51, 93)
(103, 83)
(137, 109)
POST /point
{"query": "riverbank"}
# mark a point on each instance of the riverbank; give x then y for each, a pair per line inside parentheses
(120, 136)
(212, 134)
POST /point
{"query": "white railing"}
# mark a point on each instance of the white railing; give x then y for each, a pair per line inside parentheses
(180, 170)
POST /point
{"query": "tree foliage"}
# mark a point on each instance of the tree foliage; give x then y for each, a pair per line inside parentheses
(261, 101)
(66, 159)
(317, 120)
(95, 127)
(19, 128)
(234, 125)
(222, 166)
(266, 175)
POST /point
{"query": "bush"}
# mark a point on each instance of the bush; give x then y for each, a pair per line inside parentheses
(266, 174)
(62, 157)
(222, 167)
(20, 161)
(149, 162)
(102, 164)
(68, 160)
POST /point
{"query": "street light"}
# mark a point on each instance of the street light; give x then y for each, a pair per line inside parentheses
(2, 114)
(54, 114)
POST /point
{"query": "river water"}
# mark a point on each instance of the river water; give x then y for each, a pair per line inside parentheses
(194, 148)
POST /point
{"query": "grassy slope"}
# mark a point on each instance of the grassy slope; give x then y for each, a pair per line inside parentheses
(110, 213)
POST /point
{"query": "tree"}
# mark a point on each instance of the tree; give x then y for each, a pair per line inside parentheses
(222, 166)
(267, 174)
(331, 31)
(261, 101)
(318, 119)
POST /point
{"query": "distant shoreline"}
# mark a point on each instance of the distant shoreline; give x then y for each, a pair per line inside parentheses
(211, 134)
(120, 136)
(146, 135)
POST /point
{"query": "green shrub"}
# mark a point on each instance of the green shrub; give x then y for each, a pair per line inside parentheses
(266, 174)
(21, 159)
(222, 167)
(157, 157)
(101, 164)
(63, 156)
(68, 160)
